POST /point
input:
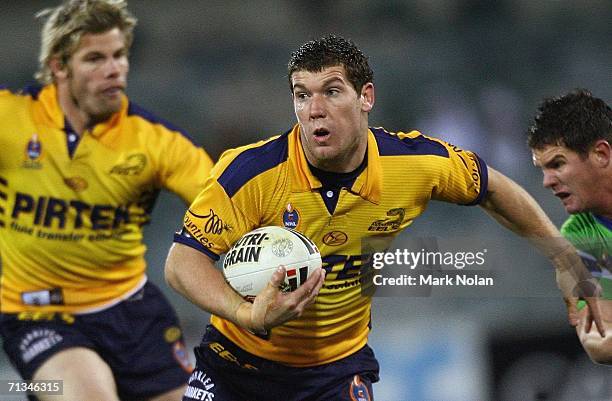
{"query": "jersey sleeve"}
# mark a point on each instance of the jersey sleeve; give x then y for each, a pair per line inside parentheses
(215, 220)
(462, 177)
(184, 167)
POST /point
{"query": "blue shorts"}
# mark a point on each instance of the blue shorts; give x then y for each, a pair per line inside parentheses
(138, 338)
(225, 372)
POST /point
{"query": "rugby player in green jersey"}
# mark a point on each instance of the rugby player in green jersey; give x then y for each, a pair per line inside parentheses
(571, 141)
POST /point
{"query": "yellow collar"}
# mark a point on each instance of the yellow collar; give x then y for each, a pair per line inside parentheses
(50, 112)
(368, 184)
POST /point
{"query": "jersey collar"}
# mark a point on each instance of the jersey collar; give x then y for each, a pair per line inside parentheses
(51, 113)
(604, 220)
(368, 184)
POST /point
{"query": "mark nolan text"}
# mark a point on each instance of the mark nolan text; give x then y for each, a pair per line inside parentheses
(459, 279)
(433, 280)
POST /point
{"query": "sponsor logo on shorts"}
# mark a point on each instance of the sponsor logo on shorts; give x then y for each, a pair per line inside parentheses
(38, 341)
(291, 217)
(228, 356)
(37, 316)
(199, 387)
(359, 391)
(335, 238)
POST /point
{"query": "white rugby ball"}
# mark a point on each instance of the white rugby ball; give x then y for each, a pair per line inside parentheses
(252, 260)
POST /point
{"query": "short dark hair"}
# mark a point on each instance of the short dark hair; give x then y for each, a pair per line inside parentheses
(575, 120)
(330, 51)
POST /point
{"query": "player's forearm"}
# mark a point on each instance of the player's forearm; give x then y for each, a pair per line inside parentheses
(509, 204)
(194, 276)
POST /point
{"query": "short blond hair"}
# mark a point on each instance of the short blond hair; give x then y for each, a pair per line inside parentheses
(65, 24)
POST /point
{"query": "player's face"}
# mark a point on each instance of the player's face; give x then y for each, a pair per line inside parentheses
(97, 74)
(571, 177)
(333, 118)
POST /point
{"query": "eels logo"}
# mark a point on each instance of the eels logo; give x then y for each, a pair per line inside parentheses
(133, 165)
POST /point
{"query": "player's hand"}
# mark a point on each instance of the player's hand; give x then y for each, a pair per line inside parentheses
(576, 282)
(272, 307)
(593, 312)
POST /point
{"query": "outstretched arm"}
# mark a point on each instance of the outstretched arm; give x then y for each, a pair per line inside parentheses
(194, 275)
(509, 204)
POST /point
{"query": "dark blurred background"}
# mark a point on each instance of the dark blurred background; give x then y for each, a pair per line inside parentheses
(470, 72)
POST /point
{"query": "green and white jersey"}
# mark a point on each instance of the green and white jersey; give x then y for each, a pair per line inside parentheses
(592, 235)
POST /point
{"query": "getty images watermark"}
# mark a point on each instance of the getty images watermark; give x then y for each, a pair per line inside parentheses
(425, 259)
(418, 273)
(453, 267)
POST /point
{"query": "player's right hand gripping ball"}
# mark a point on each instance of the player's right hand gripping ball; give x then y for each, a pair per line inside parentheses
(252, 260)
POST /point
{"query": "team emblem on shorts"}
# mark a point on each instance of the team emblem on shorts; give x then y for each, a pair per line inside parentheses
(33, 153)
(291, 217)
(358, 390)
(180, 354)
(172, 334)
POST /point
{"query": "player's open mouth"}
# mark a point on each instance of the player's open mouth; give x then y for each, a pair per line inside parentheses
(563, 195)
(321, 134)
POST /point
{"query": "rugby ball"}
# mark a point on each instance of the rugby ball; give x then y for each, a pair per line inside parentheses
(252, 260)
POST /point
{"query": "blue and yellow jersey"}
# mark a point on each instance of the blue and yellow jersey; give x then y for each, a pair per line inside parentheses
(271, 183)
(71, 216)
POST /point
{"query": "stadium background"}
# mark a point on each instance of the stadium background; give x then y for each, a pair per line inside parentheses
(471, 72)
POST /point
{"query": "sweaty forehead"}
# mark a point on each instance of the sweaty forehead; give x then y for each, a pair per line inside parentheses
(326, 74)
(541, 156)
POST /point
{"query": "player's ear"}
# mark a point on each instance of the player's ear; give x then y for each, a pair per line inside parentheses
(367, 97)
(58, 68)
(602, 152)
